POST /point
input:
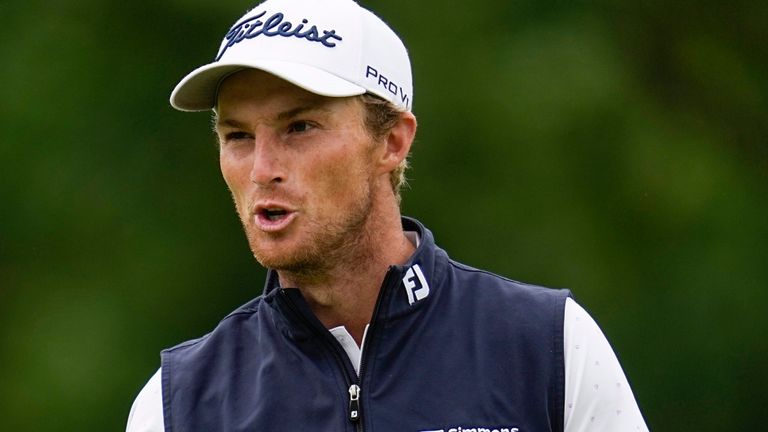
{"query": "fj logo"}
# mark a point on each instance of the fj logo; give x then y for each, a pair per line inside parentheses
(416, 285)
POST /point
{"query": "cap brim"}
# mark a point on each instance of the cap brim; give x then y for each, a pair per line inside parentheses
(197, 91)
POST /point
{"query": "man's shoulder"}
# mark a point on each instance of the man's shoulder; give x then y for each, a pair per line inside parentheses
(235, 318)
(475, 278)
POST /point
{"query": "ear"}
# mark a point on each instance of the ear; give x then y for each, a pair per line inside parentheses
(398, 142)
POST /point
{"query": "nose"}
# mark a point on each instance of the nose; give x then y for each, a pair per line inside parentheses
(266, 167)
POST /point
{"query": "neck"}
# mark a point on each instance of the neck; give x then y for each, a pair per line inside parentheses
(345, 293)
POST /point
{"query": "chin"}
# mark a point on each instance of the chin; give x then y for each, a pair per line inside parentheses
(284, 256)
(288, 263)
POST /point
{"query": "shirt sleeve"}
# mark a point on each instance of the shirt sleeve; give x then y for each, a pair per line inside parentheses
(597, 394)
(147, 410)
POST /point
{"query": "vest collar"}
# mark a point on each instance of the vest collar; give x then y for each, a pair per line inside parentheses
(406, 288)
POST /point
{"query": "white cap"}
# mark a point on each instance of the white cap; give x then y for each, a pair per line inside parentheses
(328, 47)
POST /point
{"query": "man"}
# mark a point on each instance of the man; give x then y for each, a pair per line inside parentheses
(364, 323)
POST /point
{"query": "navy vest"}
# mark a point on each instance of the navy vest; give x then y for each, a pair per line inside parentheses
(450, 348)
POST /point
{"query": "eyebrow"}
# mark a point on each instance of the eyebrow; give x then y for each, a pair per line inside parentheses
(310, 105)
(295, 112)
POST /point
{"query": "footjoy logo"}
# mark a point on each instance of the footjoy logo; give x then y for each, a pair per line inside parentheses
(415, 284)
(276, 25)
(474, 429)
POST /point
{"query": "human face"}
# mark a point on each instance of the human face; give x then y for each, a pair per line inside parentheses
(301, 169)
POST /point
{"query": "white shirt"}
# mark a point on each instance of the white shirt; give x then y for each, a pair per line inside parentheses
(597, 394)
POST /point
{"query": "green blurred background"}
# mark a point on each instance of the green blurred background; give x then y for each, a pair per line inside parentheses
(616, 148)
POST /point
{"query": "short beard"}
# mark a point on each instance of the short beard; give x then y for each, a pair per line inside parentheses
(342, 242)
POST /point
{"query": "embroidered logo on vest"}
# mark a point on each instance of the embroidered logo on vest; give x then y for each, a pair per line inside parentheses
(475, 429)
(275, 25)
(416, 285)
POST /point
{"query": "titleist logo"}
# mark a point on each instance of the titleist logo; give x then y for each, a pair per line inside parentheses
(276, 25)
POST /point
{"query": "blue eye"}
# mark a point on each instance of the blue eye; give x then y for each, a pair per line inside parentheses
(299, 126)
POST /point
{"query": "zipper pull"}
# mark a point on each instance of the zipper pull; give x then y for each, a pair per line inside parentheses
(354, 403)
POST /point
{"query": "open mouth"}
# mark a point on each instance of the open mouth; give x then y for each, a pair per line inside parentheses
(274, 215)
(272, 218)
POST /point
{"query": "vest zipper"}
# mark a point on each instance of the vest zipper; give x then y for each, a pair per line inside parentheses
(355, 382)
(355, 415)
(354, 403)
(341, 357)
